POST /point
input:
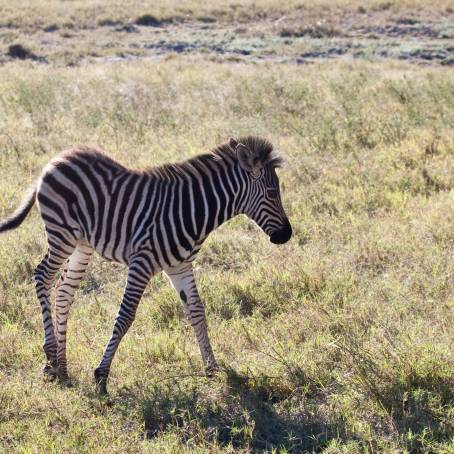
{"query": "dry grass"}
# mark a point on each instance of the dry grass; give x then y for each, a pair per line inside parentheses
(71, 33)
(83, 14)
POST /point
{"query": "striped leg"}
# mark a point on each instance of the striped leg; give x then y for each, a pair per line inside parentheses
(139, 274)
(67, 286)
(45, 274)
(182, 278)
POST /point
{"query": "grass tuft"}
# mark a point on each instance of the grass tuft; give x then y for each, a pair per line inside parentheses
(21, 52)
(148, 20)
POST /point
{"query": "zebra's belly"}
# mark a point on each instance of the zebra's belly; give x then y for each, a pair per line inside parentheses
(161, 256)
(169, 257)
(111, 250)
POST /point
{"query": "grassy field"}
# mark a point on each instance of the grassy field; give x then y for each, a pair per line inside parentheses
(339, 341)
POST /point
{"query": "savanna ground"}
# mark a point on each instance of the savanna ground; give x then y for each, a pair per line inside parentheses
(339, 341)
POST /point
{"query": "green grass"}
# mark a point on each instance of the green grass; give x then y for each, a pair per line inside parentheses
(340, 340)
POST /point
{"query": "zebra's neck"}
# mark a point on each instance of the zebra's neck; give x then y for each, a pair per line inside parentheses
(213, 195)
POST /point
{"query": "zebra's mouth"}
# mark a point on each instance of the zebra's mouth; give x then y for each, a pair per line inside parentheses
(283, 235)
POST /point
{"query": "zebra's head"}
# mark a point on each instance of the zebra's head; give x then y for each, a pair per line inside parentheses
(263, 203)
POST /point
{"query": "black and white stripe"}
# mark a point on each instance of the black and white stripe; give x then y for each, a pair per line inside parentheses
(153, 220)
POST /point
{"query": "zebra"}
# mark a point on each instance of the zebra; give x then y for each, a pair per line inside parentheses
(150, 220)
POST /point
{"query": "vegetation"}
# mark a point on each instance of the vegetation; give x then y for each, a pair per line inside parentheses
(77, 32)
(341, 340)
(83, 14)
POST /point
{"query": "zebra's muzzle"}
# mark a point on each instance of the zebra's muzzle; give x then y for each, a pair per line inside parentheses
(283, 235)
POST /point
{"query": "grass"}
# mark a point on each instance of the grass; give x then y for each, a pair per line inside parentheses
(340, 340)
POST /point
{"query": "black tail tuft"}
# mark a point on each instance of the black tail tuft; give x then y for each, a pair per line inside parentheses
(16, 219)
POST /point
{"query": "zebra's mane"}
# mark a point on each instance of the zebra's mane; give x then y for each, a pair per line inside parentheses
(262, 150)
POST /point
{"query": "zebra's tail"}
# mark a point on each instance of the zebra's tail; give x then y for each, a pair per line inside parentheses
(16, 219)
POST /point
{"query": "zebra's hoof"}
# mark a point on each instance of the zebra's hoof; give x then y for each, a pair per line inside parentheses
(50, 374)
(65, 380)
(68, 383)
(101, 388)
(101, 383)
(211, 371)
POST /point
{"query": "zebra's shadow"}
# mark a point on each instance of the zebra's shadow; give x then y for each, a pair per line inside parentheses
(231, 410)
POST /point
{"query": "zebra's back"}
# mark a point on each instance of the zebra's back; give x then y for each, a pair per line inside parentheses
(85, 194)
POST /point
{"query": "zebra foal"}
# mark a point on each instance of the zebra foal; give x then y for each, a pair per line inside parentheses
(152, 220)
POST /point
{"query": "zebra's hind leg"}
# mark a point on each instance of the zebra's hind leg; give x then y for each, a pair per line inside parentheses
(69, 281)
(182, 278)
(45, 274)
(139, 274)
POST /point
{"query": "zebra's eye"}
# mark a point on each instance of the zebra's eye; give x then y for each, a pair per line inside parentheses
(271, 193)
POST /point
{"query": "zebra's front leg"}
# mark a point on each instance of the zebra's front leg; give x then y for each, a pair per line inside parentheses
(182, 278)
(139, 274)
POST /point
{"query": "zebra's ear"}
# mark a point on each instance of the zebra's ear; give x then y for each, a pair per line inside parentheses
(248, 161)
(233, 143)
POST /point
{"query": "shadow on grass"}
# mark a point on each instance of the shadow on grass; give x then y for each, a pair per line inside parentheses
(240, 411)
(260, 413)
